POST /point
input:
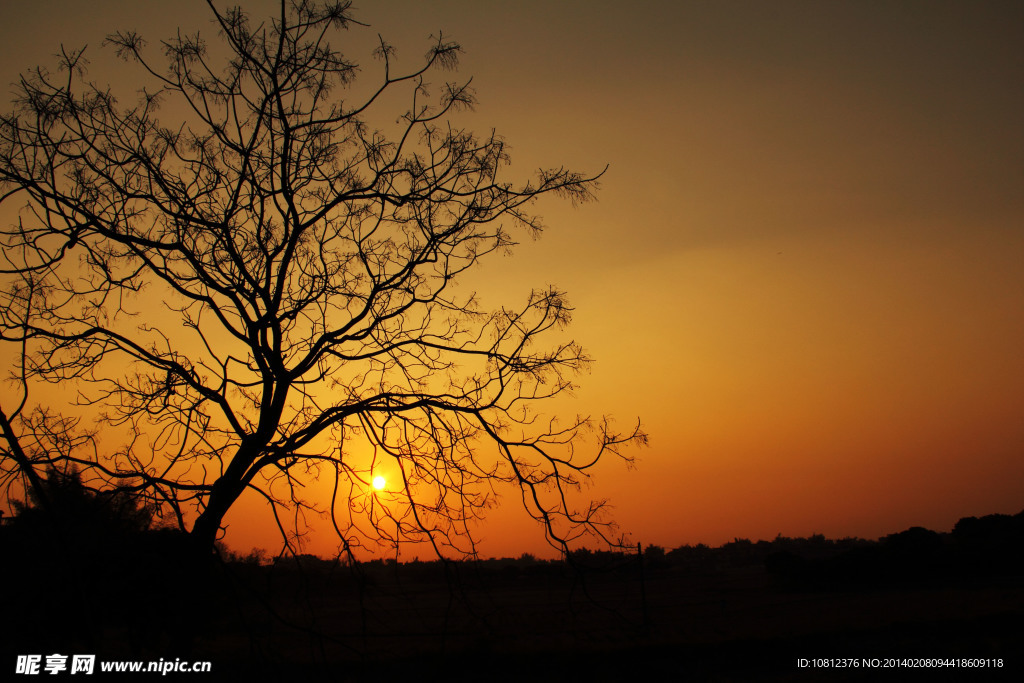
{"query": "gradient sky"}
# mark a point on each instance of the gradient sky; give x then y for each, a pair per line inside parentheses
(805, 270)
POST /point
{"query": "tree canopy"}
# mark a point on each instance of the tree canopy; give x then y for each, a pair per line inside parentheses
(253, 279)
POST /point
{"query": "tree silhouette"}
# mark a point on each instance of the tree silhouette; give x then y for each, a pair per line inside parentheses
(255, 289)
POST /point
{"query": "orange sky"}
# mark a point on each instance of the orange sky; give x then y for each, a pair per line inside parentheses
(804, 273)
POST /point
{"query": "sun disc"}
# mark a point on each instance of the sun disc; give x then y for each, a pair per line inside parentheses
(379, 483)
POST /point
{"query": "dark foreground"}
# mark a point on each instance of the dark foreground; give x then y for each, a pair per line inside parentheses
(949, 605)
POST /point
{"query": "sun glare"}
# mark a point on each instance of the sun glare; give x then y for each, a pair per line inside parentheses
(379, 483)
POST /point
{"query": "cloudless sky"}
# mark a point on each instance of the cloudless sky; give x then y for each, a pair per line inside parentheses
(805, 270)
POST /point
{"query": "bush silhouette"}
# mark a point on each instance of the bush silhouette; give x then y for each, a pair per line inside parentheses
(90, 568)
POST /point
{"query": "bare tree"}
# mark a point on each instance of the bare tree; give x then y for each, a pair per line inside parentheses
(253, 290)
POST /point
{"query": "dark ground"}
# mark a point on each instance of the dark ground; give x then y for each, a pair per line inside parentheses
(737, 624)
(746, 611)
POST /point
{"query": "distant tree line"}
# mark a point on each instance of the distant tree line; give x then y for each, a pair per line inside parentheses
(95, 530)
(977, 547)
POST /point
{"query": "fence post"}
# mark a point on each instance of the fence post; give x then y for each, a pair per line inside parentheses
(643, 588)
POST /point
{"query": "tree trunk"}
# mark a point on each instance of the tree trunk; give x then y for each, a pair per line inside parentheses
(224, 493)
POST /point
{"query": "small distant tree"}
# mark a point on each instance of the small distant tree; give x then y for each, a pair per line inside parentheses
(247, 277)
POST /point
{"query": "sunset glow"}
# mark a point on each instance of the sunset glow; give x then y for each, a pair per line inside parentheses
(802, 274)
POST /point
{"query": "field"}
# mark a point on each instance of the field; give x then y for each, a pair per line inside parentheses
(744, 611)
(741, 612)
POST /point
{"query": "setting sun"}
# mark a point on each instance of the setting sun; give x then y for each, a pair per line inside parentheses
(379, 483)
